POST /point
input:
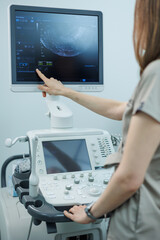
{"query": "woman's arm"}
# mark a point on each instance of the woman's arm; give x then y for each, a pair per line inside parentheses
(142, 141)
(105, 107)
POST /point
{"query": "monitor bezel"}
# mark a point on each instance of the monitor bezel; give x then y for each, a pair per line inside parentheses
(32, 87)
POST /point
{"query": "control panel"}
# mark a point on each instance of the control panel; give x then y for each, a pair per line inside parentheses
(75, 188)
(70, 163)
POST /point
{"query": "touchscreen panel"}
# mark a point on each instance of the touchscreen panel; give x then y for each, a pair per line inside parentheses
(66, 156)
(61, 45)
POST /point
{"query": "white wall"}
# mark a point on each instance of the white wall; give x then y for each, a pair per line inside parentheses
(20, 112)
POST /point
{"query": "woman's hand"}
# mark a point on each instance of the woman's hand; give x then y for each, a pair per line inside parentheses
(51, 86)
(77, 214)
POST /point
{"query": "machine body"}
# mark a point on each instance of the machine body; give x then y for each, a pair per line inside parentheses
(69, 167)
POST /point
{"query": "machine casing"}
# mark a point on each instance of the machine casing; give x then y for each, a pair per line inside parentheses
(15, 220)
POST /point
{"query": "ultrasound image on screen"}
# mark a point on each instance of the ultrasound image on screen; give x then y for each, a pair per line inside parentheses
(66, 156)
(64, 46)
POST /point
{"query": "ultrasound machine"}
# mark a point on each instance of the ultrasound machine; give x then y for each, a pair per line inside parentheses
(66, 163)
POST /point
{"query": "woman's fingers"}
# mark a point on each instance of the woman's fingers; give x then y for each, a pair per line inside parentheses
(77, 214)
(42, 76)
(73, 209)
(69, 215)
(43, 88)
(51, 86)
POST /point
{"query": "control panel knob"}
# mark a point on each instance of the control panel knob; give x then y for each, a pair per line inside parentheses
(68, 187)
(105, 181)
(76, 181)
(95, 191)
(66, 192)
(91, 179)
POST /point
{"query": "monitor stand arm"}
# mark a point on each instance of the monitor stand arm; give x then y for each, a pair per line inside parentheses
(60, 115)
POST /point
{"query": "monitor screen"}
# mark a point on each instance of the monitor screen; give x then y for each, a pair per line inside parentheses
(63, 43)
(66, 156)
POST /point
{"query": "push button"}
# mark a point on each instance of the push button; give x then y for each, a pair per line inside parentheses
(68, 187)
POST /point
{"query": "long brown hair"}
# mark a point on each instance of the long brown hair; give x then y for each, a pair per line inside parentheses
(146, 34)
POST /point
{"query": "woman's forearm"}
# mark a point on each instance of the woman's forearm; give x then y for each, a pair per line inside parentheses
(106, 107)
(116, 193)
(142, 142)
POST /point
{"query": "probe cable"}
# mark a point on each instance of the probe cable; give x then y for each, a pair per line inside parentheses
(30, 228)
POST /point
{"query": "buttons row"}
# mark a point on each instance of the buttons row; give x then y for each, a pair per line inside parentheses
(71, 176)
(88, 88)
(95, 155)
